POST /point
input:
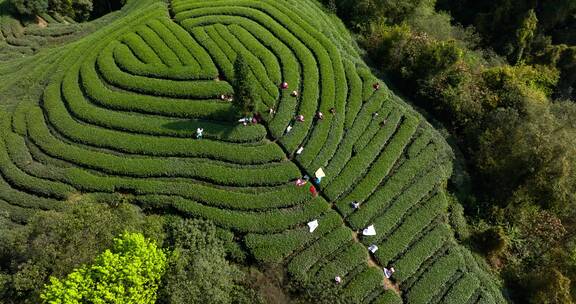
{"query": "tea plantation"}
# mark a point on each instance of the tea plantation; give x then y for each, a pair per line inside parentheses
(120, 103)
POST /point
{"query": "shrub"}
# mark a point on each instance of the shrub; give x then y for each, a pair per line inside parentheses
(362, 161)
(433, 280)
(84, 110)
(463, 289)
(260, 222)
(59, 117)
(362, 284)
(426, 247)
(276, 247)
(197, 269)
(344, 151)
(379, 170)
(261, 83)
(343, 263)
(159, 87)
(388, 297)
(334, 240)
(399, 183)
(458, 220)
(412, 226)
(156, 42)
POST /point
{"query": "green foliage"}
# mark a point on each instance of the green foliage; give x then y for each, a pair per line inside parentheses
(409, 230)
(462, 290)
(321, 293)
(388, 297)
(244, 95)
(54, 243)
(319, 250)
(346, 263)
(130, 272)
(276, 247)
(537, 148)
(363, 284)
(355, 166)
(493, 241)
(539, 233)
(78, 10)
(525, 34)
(527, 31)
(501, 116)
(493, 110)
(401, 183)
(410, 262)
(197, 270)
(458, 219)
(549, 286)
(268, 221)
(437, 275)
(436, 71)
(514, 85)
(360, 13)
(30, 7)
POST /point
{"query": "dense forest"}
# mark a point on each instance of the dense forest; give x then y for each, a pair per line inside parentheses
(500, 76)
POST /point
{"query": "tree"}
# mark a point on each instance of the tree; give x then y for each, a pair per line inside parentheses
(78, 10)
(332, 7)
(493, 241)
(525, 34)
(540, 231)
(102, 7)
(30, 7)
(530, 157)
(245, 99)
(198, 271)
(549, 286)
(55, 243)
(82, 9)
(128, 273)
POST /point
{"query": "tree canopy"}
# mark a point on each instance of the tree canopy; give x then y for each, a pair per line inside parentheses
(30, 7)
(198, 271)
(54, 243)
(245, 96)
(79, 10)
(130, 272)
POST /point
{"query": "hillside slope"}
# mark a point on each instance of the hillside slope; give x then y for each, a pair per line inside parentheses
(117, 112)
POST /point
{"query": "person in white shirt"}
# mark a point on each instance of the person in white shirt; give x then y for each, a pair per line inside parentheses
(199, 133)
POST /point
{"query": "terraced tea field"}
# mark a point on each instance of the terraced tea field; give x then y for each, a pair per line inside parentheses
(119, 110)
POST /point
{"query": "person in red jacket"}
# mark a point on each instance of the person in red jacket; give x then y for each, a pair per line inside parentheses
(313, 191)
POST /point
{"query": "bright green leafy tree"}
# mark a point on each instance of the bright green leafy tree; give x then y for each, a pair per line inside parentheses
(128, 273)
